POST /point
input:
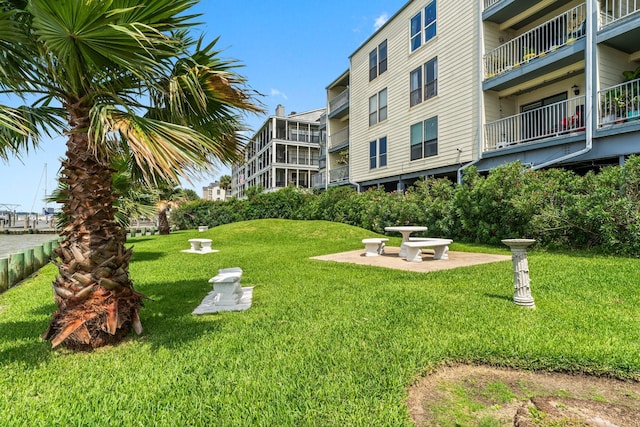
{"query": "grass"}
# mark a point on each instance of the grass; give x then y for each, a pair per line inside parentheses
(323, 343)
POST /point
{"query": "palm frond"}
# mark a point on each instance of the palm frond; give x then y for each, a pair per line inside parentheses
(22, 128)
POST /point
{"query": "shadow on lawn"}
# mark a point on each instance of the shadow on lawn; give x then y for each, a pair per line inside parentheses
(166, 317)
(32, 352)
(502, 297)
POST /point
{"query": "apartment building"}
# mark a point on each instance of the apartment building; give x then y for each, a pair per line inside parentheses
(284, 151)
(444, 85)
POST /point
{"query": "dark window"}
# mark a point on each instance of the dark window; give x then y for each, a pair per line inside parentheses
(373, 154)
(424, 139)
(431, 78)
(373, 64)
(382, 151)
(430, 21)
(415, 79)
(382, 57)
(416, 31)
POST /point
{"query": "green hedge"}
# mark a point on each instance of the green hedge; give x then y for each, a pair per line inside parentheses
(556, 207)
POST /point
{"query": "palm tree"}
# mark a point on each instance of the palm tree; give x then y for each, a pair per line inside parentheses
(128, 80)
(225, 182)
(170, 197)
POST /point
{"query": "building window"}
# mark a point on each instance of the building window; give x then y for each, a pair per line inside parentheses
(382, 57)
(415, 94)
(373, 154)
(382, 105)
(416, 31)
(382, 151)
(378, 107)
(373, 64)
(378, 153)
(424, 139)
(429, 29)
(431, 78)
(430, 89)
(430, 21)
(373, 110)
(378, 60)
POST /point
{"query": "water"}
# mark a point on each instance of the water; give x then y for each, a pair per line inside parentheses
(12, 243)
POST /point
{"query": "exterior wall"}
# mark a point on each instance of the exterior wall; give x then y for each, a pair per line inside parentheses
(455, 105)
(610, 62)
(214, 192)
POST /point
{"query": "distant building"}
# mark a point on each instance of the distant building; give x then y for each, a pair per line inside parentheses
(214, 192)
(284, 151)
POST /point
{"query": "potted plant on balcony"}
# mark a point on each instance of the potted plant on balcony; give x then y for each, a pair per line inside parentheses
(343, 157)
(633, 112)
(529, 53)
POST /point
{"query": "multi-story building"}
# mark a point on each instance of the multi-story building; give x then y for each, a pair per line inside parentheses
(214, 192)
(284, 151)
(444, 85)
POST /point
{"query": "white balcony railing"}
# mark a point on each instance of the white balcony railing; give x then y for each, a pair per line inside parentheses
(561, 118)
(614, 10)
(537, 42)
(619, 103)
(339, 101)
(489, 3)
(339, 174)
(338, 138)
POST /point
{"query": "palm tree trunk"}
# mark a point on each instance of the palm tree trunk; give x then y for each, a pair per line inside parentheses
(163, 222)
(94, 293)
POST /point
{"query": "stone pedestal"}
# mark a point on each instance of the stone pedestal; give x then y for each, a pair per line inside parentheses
(522, 295)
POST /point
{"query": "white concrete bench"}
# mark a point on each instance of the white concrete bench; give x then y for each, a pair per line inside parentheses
(439, 246)
(227, 285)
(200, 245)
(374, 246)
(202, 228)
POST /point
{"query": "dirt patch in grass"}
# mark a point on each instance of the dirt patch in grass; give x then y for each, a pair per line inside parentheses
(466, 395)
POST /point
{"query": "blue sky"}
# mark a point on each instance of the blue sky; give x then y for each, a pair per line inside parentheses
(291, 50)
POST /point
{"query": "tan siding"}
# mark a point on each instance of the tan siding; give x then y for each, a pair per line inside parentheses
(611, 61)
(455, 105)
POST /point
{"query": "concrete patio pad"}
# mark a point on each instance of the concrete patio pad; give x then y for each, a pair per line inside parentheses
(390, 259)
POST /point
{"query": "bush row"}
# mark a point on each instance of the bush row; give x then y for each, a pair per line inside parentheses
(556, 207)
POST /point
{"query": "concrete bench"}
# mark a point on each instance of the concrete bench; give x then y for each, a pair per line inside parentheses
(374, 246)
(439, 246)
(200, 245)
(227, 285)
(202, 228)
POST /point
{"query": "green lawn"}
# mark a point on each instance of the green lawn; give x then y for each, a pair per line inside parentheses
(324, 344)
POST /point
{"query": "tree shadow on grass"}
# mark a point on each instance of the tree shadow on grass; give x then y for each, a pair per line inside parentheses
(23, 343)
(147, 256)
(502, 297)
(167, 317)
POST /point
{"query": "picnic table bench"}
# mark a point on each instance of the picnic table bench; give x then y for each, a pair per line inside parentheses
(374, 246)
(439, 246)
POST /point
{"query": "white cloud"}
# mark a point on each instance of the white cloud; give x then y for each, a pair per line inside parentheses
(276, 92)
(380, 21)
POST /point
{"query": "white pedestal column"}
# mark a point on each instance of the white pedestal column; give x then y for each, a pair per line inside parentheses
(522, 295)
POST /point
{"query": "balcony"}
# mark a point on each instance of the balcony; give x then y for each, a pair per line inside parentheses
(318, 180)
(339, 174)
(554, 35)
(339, 106)
(518, 13)
(619, 103)
(620, 24)
(339, 139)
(561, 118)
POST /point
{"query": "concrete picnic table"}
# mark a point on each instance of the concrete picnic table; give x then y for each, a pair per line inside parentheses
(406, 231)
